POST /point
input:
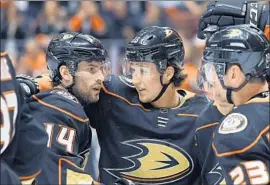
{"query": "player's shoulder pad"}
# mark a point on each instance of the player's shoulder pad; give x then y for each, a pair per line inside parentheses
(241, 129)
(209, 115)
(119, 86)
(61, 101)
(193, 103)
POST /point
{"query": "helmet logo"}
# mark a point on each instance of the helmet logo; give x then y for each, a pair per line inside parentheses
(135, 40)
(234, 33)
(67, 36)
(168, 32)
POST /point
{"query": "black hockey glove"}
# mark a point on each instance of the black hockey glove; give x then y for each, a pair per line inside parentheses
(28, 84)
(224, 13)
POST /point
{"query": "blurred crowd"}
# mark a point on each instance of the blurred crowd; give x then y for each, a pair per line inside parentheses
(27, 27)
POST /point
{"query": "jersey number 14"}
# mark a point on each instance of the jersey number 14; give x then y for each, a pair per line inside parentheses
(65, 136)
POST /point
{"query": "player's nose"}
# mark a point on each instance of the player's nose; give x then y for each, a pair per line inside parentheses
(135, 79)
(100, 76)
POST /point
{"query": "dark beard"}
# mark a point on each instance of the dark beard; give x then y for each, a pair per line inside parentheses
(83, 99)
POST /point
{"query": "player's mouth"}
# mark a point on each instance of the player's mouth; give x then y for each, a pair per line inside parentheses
(141, 90)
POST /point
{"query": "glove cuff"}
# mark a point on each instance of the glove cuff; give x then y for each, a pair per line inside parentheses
(253, 15)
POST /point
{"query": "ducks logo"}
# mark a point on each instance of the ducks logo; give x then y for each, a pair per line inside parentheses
(158, 162)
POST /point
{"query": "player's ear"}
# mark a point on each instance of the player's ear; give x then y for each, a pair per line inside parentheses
(235, 76)
(65, 75)
(168, 74)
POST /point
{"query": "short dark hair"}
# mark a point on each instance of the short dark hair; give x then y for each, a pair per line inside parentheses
(178, 76)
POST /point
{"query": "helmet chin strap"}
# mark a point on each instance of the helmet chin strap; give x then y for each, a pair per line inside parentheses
(229, 95)
(229, 89)
(164, 88)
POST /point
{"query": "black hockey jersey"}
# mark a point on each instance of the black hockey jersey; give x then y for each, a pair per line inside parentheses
(23, 141)
(242, 143)
(8, 176)
(145, 144)
(11, 102)
(206, 125)
(69, 137)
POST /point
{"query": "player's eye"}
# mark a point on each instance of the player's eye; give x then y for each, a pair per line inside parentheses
(93, 70)
(143, 71)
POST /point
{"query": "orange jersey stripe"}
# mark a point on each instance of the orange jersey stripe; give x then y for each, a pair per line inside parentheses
(188, 115)
(266, 129)
(59, 109)
(206, 126)
(124, 99)
(30, 176)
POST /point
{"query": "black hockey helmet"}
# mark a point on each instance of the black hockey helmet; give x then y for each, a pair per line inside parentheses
(69, 49)
(242, 45)
(160, 45)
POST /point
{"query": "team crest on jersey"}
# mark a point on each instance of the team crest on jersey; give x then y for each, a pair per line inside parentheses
(233, 123)
(157, 162)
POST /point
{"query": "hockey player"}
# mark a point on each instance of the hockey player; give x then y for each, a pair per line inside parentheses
(77, 65)
(236, 61)
(222, 14)
(145, 126)
(23, 141)
(148, 122)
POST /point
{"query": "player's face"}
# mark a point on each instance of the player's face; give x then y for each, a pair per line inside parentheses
(146, 80)
(88, 81)
(212, 85)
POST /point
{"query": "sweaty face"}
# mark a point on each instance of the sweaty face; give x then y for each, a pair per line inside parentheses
(88, 81)
(146, 80)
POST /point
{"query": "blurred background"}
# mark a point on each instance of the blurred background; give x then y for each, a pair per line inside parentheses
(28, 26)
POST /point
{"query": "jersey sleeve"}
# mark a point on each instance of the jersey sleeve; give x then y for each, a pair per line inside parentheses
(242, 149)
(11, 102)
(31, 140)
(23, 139)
